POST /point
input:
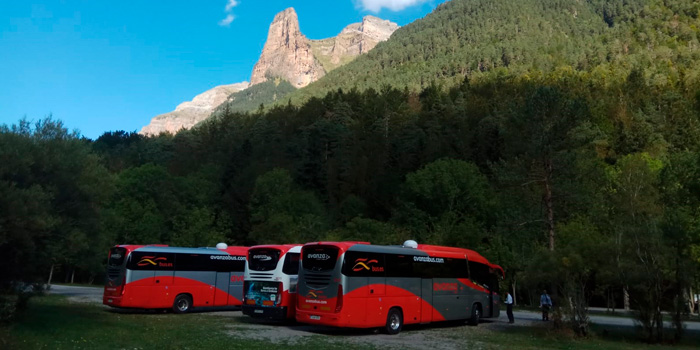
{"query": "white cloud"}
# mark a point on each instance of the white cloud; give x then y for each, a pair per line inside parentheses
(393, 5)
(229, 13)
(227, 21)
(230, 5)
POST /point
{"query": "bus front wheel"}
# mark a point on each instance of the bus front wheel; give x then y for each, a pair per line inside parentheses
(394, 321)
(182, 304)
(476, 315)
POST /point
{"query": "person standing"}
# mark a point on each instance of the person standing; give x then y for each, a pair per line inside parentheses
(509, 308)
(545, 304)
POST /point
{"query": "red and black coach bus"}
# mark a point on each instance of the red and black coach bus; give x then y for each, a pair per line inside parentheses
(159, 277)
(357, 285)
(270, 287)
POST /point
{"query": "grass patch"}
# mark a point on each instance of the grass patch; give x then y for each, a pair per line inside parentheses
(542, 337)
(53, 322)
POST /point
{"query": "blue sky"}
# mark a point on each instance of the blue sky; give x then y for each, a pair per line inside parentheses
(113, 65)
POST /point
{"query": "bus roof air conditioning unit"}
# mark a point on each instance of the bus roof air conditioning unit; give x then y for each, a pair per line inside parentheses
(221, 246)
(410, 244)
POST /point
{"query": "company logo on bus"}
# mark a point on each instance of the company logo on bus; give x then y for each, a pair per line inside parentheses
(227, 257)
(445, 287)
(428, 259)
(235, 278)
(363, 264)
(153, 261)
(318, 256)
(316, 297)
(262, 257)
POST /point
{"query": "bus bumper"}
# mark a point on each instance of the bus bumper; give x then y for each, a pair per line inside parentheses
(320, 318)
(269, 313)
(112, 301)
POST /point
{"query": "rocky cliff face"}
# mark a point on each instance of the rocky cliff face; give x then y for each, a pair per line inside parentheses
(287, 54)
(187, 114)
(359, 38)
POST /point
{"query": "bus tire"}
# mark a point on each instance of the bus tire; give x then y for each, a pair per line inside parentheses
(394, 321)
(475, 316)
(182, 304)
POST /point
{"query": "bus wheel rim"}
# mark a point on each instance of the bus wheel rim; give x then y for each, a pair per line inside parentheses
(394, 322)
(182, 305)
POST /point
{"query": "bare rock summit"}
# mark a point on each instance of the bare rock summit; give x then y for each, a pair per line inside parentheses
(359, 38)
(187, 114)
(287, 54)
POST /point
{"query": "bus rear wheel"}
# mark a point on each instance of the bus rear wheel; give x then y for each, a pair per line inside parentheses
(182, 304)
(394, 321)
(476, 315)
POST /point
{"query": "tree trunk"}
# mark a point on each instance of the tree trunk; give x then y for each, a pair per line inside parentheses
(626, 298)
(548, 201)
(50, 275)
(514, 299)
(72, 276)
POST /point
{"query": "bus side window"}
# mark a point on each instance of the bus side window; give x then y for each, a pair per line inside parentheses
(457, 268)
(399, 266)
(291, 264)
(192, 262)
(427, 269)
(480, 275)
(495, 283)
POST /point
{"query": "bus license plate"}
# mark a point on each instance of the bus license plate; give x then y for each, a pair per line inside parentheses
(258, 311)
(317, 318)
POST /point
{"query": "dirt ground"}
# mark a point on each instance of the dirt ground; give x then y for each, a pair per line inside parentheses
(435, 337)
(414, 337)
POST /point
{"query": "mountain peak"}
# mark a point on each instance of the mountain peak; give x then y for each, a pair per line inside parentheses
(287, 53)
(288, 13)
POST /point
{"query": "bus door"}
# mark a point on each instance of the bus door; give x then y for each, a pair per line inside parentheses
(493, 294)
(235, 288)
(141, 278)
(426, 315)
(163, 296)
(221, 295)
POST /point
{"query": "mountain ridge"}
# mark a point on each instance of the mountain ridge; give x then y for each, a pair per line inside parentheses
(287, 55)
(188, 114)
(470, 39)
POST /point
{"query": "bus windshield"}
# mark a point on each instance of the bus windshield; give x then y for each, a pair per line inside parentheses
(116, 257)
(321, 258)
(263, 259)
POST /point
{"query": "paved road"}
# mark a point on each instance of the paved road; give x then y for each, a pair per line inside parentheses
(78, 294)
(531, 317)
(94, 295)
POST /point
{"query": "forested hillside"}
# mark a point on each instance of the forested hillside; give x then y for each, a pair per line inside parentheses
(583, 178)
(487, 38)
(251, 98)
